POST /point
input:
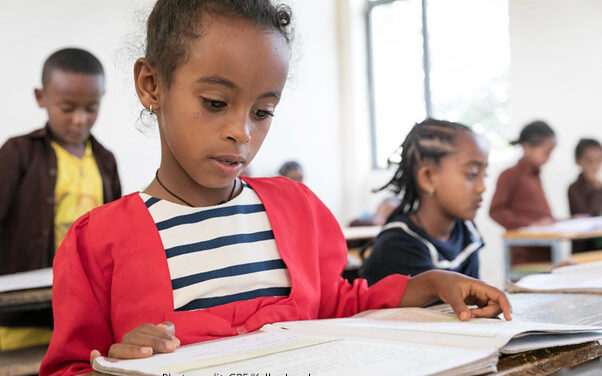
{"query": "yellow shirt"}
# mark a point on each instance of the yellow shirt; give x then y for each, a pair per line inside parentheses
(78, 188)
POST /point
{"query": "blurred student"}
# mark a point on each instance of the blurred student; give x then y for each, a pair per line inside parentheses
(519, 198)
(441, 182)
(383, 211)
(292, 170)
(53, 175)
(378, 218)
(585, 194)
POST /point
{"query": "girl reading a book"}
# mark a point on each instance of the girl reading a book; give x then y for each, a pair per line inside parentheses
(213, 254)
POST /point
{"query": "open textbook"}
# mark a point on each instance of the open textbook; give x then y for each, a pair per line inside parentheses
(26, 280)
(408, 341)
(583, 278)
(574, 226)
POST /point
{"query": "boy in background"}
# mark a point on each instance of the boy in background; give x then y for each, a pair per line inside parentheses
(53, 175)
(585, 194)
(519, 199)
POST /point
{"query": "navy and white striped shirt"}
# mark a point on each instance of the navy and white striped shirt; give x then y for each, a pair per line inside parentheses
(219, 254)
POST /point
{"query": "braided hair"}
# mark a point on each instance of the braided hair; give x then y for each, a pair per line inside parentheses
(429, 140)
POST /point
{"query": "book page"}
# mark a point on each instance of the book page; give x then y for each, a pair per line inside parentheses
(421, 325)
(588, 268)
(576, 309)
(585, 278)
(285, 353)
(565, 282)
(211, 353)
(26, 280)
(527, 343)
(364, 357)
(575, 225)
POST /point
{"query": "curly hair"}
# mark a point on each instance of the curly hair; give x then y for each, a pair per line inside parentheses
(174, 24)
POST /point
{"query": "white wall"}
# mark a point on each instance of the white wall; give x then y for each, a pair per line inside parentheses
(555, 75)
(306, 126)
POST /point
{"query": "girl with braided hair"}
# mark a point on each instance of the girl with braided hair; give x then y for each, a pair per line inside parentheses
(440, 179)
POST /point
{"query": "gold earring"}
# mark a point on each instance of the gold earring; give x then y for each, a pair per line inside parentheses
(151, 110)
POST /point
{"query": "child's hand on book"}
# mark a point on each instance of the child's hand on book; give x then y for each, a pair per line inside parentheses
(458, 291)
(142, 342)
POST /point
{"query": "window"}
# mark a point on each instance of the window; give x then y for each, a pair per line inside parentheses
(438, 58)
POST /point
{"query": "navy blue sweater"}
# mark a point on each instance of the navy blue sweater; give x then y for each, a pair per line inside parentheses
(404, 248)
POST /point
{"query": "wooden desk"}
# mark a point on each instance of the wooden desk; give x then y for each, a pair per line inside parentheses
(585, 257)
(547, 361)
(578, 309)
(24, 361)
(557, 236)
(26, 299)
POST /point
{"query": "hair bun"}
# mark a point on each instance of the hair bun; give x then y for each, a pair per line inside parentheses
(283, 15)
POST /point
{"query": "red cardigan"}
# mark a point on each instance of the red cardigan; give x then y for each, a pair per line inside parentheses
(111, 275)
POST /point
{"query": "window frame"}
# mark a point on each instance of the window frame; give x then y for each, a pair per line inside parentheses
(426, 67)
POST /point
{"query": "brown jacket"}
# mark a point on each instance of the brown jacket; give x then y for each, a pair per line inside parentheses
(27, 181)
(584, 198)
(518, 201)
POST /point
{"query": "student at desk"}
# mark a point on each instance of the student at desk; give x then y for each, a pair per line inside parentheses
(585, 194)
(441, 181)
(214, 254)
(519, 199)
(52, 176)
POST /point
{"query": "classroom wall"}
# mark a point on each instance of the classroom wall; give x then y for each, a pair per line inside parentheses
(555, 75)
(306, 126)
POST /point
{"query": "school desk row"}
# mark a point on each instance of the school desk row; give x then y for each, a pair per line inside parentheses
(581, 309)
(557, 236)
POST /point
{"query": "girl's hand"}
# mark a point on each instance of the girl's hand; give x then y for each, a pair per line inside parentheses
(142, 342)
(458, 291)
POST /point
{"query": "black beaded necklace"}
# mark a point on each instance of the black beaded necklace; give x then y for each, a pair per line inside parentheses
(186, 202)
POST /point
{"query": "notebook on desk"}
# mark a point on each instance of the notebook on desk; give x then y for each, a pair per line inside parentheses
(580, 278)
(408, 341)
(572, 226)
